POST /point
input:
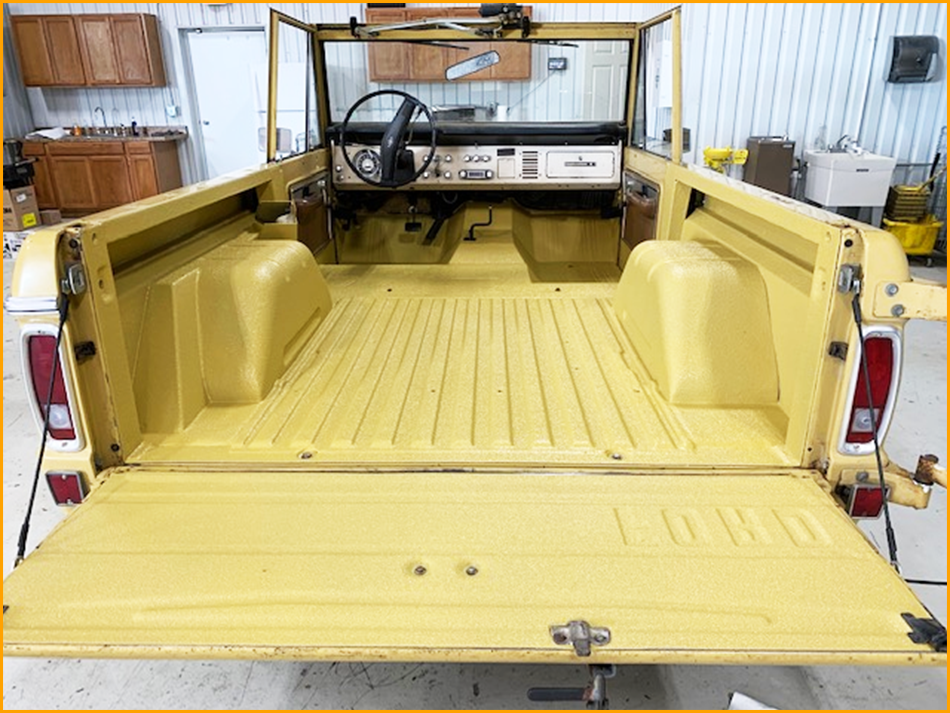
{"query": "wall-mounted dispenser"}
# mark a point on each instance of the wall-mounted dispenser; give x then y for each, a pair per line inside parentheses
(913, 59)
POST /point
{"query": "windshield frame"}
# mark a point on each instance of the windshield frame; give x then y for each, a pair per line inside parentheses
(539, 31)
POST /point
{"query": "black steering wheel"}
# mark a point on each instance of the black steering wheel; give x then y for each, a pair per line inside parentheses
(378, 167)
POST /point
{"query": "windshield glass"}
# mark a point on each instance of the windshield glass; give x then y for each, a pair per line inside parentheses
(526, 82)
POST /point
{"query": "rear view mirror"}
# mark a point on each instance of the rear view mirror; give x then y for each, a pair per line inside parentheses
(472, 65)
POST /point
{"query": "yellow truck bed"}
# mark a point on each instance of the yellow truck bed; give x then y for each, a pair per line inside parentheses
(471, 364)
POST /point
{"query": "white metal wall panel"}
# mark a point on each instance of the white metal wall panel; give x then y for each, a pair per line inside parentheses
(749, 69)
(16, 109)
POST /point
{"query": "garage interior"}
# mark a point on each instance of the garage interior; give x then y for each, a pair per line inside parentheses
(782, 96)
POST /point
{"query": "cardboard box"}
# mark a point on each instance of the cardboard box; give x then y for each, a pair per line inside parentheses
(20, 210)
(51, 217)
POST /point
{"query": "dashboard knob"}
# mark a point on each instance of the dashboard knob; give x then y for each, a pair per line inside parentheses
(447, 174)
(426, 174)
(339, 169)
(486, 159)
(447, 159)
(463, 174)
(467, 158)
(489, 174)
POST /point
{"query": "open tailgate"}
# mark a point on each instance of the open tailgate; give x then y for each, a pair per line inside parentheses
(334, 566)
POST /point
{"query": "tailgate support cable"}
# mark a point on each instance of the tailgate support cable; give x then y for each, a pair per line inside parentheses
(888, 524)
(73, 284)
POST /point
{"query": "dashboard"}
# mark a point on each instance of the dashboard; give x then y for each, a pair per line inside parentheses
(491, 157)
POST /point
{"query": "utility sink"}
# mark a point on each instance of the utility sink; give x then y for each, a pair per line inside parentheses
(839, 179)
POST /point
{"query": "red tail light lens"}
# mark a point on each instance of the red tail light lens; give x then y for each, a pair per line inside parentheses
(42, 351)
(66, 488)
(866, 416)
(863, 501)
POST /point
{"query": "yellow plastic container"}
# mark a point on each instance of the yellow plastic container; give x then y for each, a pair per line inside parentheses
(917, 238)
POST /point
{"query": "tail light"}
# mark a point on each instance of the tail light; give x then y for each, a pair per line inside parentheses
(66, 488)
(863, 501)
(882, 347)
(39, 351)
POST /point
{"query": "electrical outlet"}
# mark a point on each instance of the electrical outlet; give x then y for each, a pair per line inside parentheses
(171, 111)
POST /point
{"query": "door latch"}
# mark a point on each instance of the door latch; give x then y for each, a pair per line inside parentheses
(580, 635)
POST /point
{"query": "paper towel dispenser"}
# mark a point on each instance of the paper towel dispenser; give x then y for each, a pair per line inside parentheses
(913, 58)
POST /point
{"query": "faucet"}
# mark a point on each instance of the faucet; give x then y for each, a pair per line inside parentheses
(99, 110)
(842, 144)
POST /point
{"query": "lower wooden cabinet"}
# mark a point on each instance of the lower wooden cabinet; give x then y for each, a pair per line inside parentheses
(86, 177)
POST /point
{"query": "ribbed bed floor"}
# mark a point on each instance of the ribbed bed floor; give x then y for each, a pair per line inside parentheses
(411, 368)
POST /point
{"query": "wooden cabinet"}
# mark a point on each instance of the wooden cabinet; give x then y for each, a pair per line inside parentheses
(42, 182)
(48, 50)
(121, 49)
(387, 60)
(89, 50)
(403, 62)
(153, 167)
(80, 177)
(426, 63)
(98, 52)
(73, 182)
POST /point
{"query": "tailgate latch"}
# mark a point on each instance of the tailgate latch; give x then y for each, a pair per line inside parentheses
(580, 635)
(927, 631)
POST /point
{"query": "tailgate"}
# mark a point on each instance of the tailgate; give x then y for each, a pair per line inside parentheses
(334, 566)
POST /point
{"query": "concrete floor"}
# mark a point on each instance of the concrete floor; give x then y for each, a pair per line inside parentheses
(920, 427)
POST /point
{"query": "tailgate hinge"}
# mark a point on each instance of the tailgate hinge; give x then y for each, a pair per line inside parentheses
(580, 635)
(927, 631)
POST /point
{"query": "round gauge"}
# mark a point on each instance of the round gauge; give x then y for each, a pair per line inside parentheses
(367, 163)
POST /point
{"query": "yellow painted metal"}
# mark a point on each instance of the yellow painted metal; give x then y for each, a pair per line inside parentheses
(677, 109)
(679, 293)
(472, 364)
(428, 566)
(916, 299)
(273, 58)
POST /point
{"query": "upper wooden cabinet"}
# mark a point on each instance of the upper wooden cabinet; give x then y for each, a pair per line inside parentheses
(89, 50)
(48, 51)
(400, 61)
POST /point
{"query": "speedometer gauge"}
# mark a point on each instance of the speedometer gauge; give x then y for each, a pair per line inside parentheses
(367, 163)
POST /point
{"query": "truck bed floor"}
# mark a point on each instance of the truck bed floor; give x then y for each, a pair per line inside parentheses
(465, 365)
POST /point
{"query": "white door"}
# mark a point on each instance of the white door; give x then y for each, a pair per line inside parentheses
(605, 80)
(225, 66)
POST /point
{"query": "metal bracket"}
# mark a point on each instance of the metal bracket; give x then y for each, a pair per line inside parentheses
(838, 350)
(74, 282)
(927, 631)
(594, 695)
(849, 279)
(581, 636)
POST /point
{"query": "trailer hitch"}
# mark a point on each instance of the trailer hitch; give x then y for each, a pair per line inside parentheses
(594, 695)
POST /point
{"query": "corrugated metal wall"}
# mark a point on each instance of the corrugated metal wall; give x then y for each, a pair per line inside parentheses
(16, 110)
(812, 72)
(805, 70)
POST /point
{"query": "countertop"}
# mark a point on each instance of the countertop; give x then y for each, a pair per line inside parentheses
(160, 135)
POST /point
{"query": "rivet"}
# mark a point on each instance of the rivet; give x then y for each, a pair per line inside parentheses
(306, 455)
(616, 456)
(897, 310)
(419, 571)
(471, 571)
(600, 638)
(892, 289)
(560, 638)
(862, 477)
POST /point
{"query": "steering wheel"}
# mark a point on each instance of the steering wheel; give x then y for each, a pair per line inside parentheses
(378, 167)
